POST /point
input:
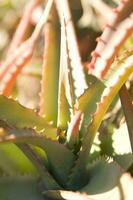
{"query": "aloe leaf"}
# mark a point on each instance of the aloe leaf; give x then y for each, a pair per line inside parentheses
(28, 134)
(87, 102)
(50, 73)
(13, 161)
(115, 79)
(64, 87)
(103, 176)
(63, 109)
(125, 160)
(128, 111)
(118, 74)
(15, 63)
(24, 25)
(73, 50)
(112, 39)
(19, 187)
(22, 117)
(60, 159)
(73, 132)
(65, 195)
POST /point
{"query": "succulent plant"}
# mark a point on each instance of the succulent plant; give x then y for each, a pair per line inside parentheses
(46, 154)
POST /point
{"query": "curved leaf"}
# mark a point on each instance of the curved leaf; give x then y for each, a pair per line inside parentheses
(60, 159)
(87, 102)
(24, 25)
(73, 131)
(50, 73)
(64, 84)
(120, 72)
(15, 63)
(113, 37)
(125, 160)
(73, 50)
(13, 161)
(15, 114)
(102, 176)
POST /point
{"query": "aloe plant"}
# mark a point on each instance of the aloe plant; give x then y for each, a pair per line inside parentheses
(46, 154)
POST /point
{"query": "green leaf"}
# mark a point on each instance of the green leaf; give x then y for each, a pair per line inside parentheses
(60, 159)
(87, 102)
(116, 77)
(78, 75)
(102, 176)
(73, 132)
(20, 187)
(13, 161)
(64, 86)
(28, 135)
(16, 114)
(125, 160)
(50, 73)
(63, 109)
(120, 72)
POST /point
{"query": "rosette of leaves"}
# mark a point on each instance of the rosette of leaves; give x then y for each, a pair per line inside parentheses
(46, 154)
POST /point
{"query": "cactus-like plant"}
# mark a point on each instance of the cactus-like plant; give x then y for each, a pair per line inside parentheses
(46, 154)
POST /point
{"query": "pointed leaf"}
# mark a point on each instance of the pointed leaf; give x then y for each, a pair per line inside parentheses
(73, 50)
(103, 176)
(125, 160)
(73, 131)
(24, 25)
(64, 86)
(63, 109)
(87, 102)
(15, 114)
(50, 73)
(16, 61)
(120, 72)
(112, 39)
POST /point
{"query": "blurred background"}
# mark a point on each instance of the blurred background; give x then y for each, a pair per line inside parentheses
(87, 14)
